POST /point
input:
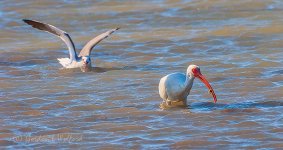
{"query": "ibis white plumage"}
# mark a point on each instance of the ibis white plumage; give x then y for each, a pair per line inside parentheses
(175, 87)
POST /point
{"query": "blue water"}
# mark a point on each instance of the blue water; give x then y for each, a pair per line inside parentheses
(238, 46)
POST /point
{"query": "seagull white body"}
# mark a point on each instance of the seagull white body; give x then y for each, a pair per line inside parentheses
(67, 63)
(175, 87)
(82, 60)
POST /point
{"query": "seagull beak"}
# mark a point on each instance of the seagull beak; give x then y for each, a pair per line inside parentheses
(211, 91)
(85, 62)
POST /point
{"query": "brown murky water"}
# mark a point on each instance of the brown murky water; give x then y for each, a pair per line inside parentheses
(237, 44)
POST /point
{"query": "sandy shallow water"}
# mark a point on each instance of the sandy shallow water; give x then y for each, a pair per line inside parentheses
(238, 46)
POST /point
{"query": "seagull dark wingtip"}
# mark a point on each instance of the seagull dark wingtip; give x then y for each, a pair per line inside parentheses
(26, 20)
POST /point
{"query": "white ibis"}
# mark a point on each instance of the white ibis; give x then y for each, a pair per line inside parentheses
(174, 88)
(82, 61)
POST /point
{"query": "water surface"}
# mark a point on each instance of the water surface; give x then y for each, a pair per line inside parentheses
(238, 46)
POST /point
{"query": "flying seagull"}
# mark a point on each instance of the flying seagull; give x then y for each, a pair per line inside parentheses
(82, 60)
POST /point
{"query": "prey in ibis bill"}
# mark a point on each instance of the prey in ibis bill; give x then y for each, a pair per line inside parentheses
(175, 87)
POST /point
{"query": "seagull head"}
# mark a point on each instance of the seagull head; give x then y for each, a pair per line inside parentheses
(86, 67)
(86, 60)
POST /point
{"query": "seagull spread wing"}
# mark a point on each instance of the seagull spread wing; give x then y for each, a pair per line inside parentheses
(88, 47)
(54, 30)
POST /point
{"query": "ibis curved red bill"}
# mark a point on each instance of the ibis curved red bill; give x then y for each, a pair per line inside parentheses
(211, 91)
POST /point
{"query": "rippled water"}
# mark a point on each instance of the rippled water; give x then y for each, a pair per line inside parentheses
(237, 44)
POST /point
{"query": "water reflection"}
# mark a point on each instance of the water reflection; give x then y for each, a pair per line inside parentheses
(238, 44)
(209, 106)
